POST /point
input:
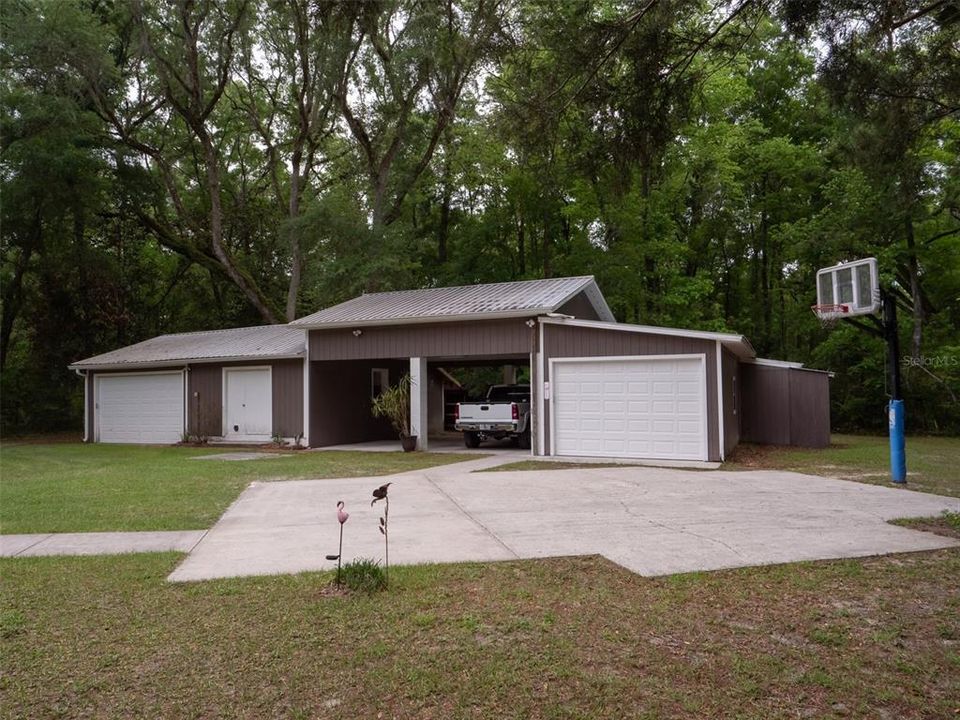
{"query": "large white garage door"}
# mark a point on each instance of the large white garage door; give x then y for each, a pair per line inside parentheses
(144, 408)
(643, 408)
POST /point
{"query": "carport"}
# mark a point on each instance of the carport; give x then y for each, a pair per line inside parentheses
(598, 388)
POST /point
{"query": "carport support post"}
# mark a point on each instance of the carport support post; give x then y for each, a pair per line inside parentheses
(418, 400)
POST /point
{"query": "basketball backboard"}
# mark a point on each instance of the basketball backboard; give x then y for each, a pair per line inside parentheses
(848, 289)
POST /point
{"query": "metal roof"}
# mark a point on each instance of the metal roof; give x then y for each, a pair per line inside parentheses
(261, 342)
(467, 302)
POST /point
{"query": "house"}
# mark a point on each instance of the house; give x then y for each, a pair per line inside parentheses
(599, 388)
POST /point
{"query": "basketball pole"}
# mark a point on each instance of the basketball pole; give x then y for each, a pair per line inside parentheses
(895, 411)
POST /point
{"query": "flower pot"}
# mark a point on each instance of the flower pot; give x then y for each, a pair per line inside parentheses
(409, 443)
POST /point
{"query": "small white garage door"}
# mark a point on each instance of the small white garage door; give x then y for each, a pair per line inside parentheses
(651, 407)
(143, 408)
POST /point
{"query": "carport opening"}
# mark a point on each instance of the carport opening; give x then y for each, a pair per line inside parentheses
(454, 381)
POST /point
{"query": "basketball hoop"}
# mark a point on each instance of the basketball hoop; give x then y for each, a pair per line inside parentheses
(830, 315)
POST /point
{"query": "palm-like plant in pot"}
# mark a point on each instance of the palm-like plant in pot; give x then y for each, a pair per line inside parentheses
(394, 405)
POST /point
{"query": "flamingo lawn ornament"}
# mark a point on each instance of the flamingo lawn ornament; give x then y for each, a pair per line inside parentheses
(342, 517)
(381, 494)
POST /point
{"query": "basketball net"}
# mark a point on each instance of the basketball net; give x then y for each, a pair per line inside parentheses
(830, 315)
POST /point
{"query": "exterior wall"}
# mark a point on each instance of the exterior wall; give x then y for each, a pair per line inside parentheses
(732, 386)
(340, 401)
(785, 406)
(580, 307)
(490, 338)
(205, 397)
(89, 399)
(571, 341)
(809, 408)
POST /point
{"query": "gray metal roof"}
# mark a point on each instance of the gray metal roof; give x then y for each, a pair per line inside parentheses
(261, 342)
(468, 302)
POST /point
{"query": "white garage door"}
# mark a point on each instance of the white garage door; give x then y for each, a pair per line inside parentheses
(144, 408)
(643, 408)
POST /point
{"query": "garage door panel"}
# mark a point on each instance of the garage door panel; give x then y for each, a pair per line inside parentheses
(643, 407)
(144, 408)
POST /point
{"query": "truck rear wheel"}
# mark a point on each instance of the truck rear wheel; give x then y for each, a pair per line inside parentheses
(471, 439)
(524, 441)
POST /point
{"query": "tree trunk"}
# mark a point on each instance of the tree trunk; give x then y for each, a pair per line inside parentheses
(296, 257)
(443, 231)
(913, 267)
(216, 232)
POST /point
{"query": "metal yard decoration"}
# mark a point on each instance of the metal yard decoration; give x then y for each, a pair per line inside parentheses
(850, 291)
(342, 517)
(381, 494)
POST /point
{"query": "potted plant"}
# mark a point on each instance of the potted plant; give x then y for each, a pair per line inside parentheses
(394, 404)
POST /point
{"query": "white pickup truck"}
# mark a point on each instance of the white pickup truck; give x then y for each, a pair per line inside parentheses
(504, 413)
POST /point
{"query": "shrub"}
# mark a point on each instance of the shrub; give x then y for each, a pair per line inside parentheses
(364, 575)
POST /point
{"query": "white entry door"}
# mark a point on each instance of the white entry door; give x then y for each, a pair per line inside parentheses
(139, 408)
(247, 404)
(630, 407)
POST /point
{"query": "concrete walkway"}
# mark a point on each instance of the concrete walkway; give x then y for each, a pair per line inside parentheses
(653, 521)
(98, 543)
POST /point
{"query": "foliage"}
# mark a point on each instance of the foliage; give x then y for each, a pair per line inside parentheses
(364, 575)
(394, 405)
(702, 162)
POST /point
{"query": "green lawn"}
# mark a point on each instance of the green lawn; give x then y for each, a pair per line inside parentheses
(82, 488)
(560, 638)
(933, 463)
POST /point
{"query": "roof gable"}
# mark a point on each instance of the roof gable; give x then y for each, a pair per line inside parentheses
(467, 302)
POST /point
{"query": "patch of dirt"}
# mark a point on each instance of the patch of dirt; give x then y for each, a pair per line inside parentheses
(935, 525)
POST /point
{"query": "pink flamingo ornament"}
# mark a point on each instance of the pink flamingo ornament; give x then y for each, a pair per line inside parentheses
(342, 517)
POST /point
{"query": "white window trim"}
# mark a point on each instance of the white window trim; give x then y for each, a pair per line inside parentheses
(622, 358)
(385, 386)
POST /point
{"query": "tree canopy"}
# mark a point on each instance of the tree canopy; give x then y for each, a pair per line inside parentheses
(197, 164)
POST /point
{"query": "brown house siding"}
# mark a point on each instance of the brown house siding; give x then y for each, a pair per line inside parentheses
(730, 370)
(785, 406)
(491, 338)
(580, 307)
(288, 398)
(571, 341)
(205, 396)
(90, 406)
(809, 408)
(340, 401)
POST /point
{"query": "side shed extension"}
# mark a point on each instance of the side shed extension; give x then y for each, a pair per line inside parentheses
(785, 404)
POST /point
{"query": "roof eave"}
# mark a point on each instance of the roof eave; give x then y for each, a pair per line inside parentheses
(738, 344)
(175, 363)
(422, 319)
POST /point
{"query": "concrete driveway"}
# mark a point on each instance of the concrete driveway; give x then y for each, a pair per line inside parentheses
(653, 521)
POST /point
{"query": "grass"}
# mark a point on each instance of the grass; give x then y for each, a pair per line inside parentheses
(947, 523)
(85, 488)
(933, 463)
(560, 638)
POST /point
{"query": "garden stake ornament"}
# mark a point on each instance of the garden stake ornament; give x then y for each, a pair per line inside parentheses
(342, 517)
(381, 494)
